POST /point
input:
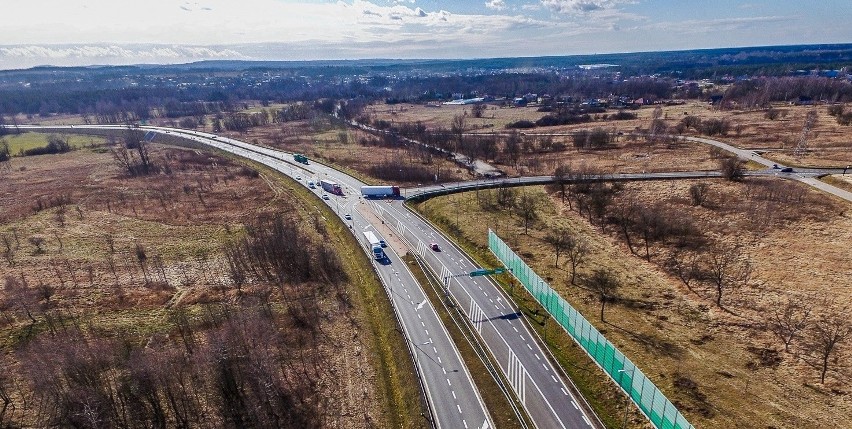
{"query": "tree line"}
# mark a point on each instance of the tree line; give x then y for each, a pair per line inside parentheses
(819, 327)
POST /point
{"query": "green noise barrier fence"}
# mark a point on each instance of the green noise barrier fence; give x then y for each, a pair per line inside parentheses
(659, 410)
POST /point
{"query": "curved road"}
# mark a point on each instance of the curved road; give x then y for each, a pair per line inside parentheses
(452, 395)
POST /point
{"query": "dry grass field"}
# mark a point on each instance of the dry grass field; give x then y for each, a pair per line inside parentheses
(340, 147)
(842, 181)
(722, 367)
(21, 142)
(104, 275)
(494, 118)
(830, 144)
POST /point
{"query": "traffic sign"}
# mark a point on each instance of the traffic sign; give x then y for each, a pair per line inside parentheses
(484, 272)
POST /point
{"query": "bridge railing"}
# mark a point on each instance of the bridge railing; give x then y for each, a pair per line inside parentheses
(647, 397)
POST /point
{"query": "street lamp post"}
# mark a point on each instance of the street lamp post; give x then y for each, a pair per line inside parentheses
(627, 405)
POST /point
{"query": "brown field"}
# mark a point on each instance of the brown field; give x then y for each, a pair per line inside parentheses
(494, 118)
(722, 367)
(93, 260)
(63, 119)
(830, 144)
(842, 181)
(339, 146)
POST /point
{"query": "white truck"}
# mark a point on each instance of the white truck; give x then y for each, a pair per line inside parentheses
(380, 191)
(375, 245)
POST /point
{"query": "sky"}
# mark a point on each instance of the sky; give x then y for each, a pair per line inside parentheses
(96, 32)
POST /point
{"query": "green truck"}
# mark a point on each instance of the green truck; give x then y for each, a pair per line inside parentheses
(301, 158)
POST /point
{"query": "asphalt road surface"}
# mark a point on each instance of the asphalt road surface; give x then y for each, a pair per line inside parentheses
(539, 386)
(452, 396)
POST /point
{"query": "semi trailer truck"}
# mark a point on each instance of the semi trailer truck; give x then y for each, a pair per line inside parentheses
(380, 191)
(375, 245)
(331, 187)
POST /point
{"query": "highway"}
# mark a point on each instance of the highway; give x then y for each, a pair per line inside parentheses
(539, 386)
(451, 392)
(454, 401)
(453, 398)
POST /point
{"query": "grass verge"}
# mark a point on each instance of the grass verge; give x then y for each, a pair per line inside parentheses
(18, 143)
(838, 182)
(397, 383)
(606, 400)
(492, 392)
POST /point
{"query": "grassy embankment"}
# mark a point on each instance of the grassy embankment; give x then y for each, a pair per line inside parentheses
(605, 399)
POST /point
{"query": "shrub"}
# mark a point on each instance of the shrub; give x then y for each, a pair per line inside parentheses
(55, 144)
(623, 115)
(522, 124)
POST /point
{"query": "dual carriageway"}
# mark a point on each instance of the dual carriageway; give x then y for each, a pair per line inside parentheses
(452, 396)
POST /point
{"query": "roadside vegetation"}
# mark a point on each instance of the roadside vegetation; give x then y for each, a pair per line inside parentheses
(29, 144)
(141, 269)
(151, 299)
(701, 283)
(649, 142)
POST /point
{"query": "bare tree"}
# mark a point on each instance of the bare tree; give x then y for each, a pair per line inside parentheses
(698, 194)
(561, 175)
(788, 320)
(685, 265)
(134, 155)
(527, 209)
(605, 286)
(727, 269)
(827, 333)
(558, 238)
(651, 225)
(457, 128)
(577, 249)
(731, 168)
(512, 149)
(624, 216)
(506, 197)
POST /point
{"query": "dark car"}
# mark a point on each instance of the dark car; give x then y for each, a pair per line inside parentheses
(787, 170)
(435, 247)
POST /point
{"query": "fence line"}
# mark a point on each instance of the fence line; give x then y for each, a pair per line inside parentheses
(639, 388)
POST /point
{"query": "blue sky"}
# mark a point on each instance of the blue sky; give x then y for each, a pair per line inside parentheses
(82, 32)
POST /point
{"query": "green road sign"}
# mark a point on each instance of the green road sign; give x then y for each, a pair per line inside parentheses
(484, 272)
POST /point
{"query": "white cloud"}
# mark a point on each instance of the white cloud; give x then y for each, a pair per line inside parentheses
(495, 4)
(581, 6)
(696, 26)
(101, 52)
